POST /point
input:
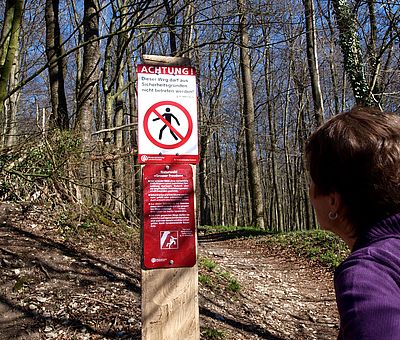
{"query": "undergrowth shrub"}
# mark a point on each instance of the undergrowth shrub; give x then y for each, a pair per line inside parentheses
(317, 245)
(38, 167)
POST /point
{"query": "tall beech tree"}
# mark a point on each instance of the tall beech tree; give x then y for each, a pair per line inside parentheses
(351, 50)
(263, 85)
(312, 58)
(9, 42)
(249, 118)
(57, 66)
(87, 91)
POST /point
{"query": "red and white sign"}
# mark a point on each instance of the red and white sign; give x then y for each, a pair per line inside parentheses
(169, 237)
(167, 114)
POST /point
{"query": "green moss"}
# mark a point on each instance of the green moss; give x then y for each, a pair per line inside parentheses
(213, 334)
(207, 263)
(317, 245)
(205, 280)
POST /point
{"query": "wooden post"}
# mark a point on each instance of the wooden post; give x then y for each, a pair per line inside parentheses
(170, 308)
(170, 304)
(170, 295)
(159, 60)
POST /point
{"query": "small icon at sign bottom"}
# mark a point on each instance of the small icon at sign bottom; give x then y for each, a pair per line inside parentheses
(169, 240)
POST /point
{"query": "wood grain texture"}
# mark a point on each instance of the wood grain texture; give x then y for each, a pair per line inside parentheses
(160, 60)
(170, 304)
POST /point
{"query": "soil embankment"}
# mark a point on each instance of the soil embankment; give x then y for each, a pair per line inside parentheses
(86, 285)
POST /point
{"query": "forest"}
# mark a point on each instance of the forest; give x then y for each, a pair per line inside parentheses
(268, 73)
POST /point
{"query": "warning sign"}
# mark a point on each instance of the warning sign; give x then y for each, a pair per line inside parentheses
(178, 131)
(167, 114)
(169, 238)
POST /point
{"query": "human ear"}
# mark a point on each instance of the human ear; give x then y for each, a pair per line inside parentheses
(335, 202)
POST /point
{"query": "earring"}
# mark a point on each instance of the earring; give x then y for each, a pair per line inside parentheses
(333, 215)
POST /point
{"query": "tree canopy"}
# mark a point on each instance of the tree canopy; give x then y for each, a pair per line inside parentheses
(68, 115)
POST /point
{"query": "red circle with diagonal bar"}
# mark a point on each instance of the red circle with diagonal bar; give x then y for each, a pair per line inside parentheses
(153, 109)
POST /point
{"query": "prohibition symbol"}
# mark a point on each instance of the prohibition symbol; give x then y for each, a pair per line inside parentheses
(169, 120)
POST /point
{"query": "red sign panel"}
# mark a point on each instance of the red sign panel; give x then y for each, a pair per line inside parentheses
(169, 238)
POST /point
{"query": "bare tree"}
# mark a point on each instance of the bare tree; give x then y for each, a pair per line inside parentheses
(255, 103)
(312, 57)
(248, 111)
(9, 41)
(87, 89)
(57, 65)
(11, 105)
(169, 8)
(351, 49)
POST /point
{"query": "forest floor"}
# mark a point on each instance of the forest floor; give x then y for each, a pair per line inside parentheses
(86, 284)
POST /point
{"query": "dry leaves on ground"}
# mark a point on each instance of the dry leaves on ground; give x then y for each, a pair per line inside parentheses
(86, 285)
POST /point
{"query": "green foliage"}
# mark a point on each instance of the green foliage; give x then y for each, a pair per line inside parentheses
(207, 263)
(234, 285)
(317, 245)
(205, 280)
(224, 274)
(213, 334)
(87, 224)
(215, 278)
(229, 232)
(20, 283)
(35, 165)
(71, 222)
(96, 220)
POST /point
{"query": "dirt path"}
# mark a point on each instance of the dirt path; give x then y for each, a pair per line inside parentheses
(88, 286)
(54, 286)
(281, 296)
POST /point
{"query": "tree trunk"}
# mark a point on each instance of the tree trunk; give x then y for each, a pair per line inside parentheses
(119, 145)
(373, 59)
(187, 29)
(78, 54)
(133, 120)
(275, 209)
(9, 42)
(351, 50)
(255, 182)
(11, 105)
(54, 52)
(220, 194)
(312, 58)
(205, 210)
(119, 136)
(238, 165)
(87, 91)
(171, 26)
(108, 142)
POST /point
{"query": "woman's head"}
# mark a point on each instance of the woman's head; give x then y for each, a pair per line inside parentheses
(357, 155)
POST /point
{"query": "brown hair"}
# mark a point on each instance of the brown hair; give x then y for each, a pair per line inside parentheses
(357, 154)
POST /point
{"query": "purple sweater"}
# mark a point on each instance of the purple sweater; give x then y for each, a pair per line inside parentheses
(367, 285)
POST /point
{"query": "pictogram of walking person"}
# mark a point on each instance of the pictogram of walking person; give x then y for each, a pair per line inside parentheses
(168, 117)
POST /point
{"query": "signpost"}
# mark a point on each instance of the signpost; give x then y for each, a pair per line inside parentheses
(168, 148)
(167, 114)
